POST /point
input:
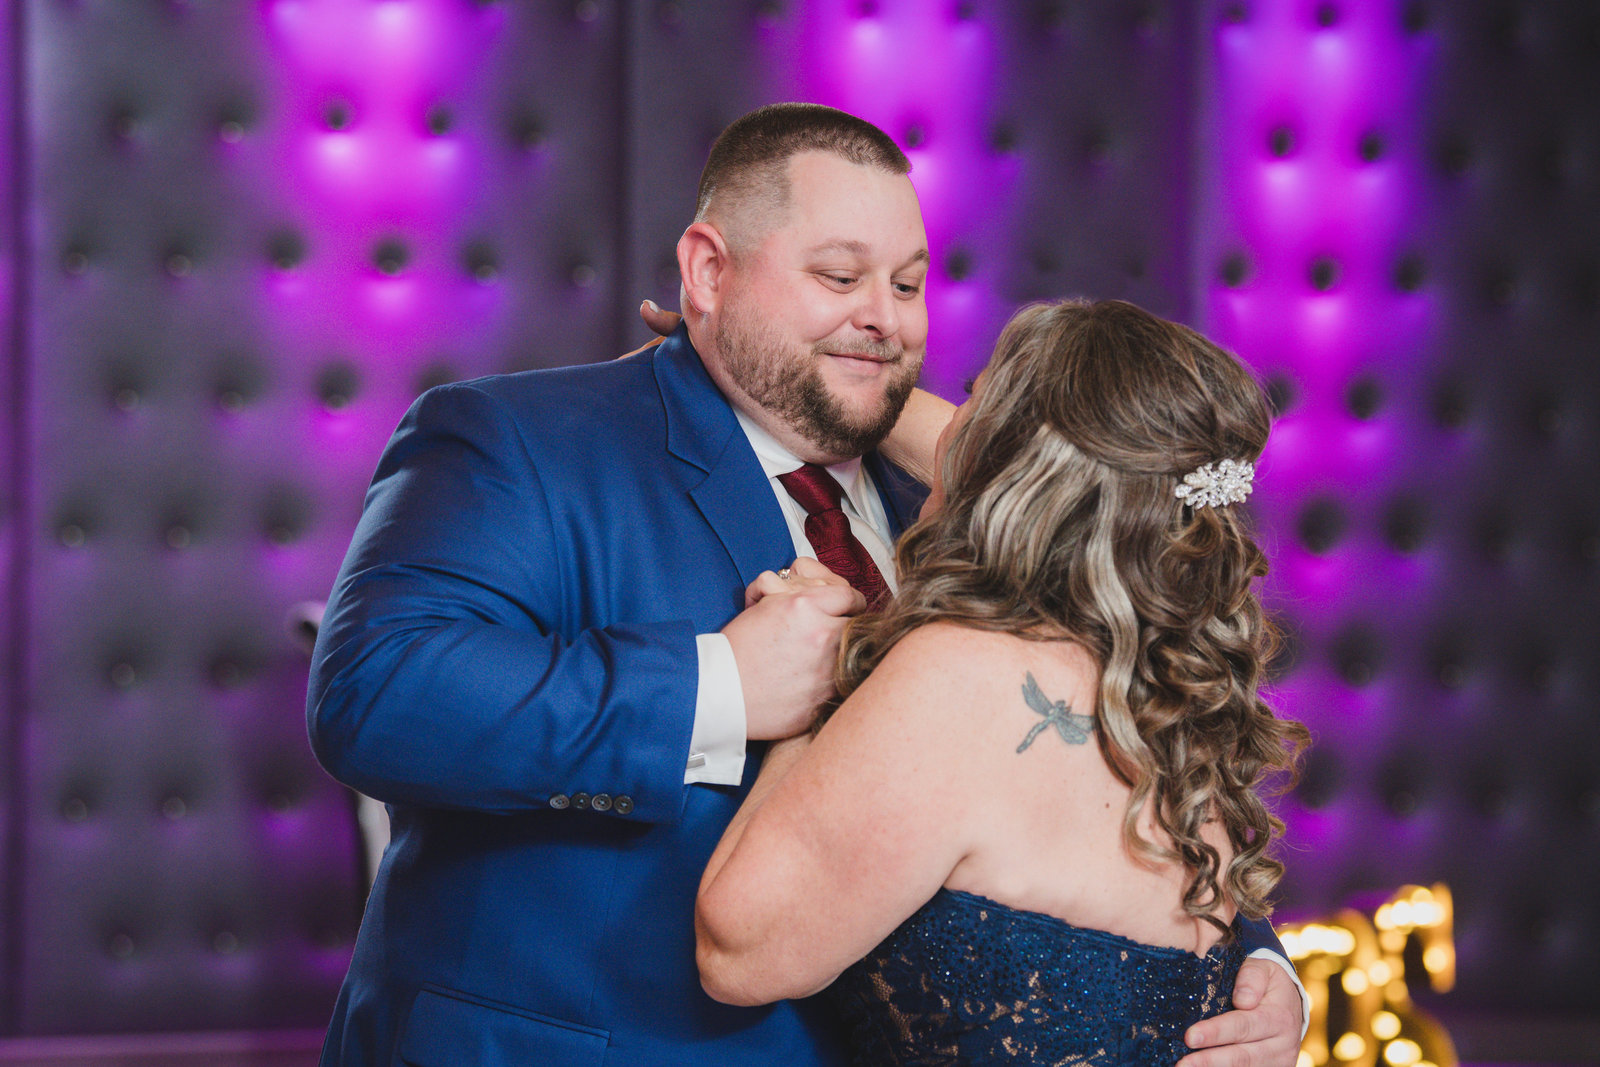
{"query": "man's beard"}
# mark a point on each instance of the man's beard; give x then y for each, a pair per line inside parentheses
(788, 382)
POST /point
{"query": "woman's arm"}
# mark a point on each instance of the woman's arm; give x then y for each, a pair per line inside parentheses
(844, 837)
(910, 445)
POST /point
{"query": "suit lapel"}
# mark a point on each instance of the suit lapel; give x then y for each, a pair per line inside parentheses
(902, 494)
(734, 496)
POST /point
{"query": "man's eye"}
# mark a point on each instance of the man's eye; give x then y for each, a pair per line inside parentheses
(840, 279)
(907, 289)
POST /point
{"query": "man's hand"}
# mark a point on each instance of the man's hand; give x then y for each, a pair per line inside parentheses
(1262, 1030)
(785, 643)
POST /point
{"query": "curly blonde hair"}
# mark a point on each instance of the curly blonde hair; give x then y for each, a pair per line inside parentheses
(1060, 522)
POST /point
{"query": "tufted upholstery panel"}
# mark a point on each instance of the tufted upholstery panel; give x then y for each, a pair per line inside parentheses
(12, 405)
(256, 230)
(183, 865)
(254, 245)
(1505, 654)
(1401, 232)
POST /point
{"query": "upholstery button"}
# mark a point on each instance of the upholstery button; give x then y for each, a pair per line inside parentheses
(1364, 398)
(336, 115)
(390, 257)
(559, 801)
(1235, 270)
(1370, 147)
(1320, 524)
(1324, 273)
(580, 800)
(1280, 393)
(336, 385)
(1410, 273)
(601, 802)
(286, 250)
(622, 805)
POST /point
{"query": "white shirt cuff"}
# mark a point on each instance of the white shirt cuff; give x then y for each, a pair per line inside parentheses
(1305, 998)
(716, 745)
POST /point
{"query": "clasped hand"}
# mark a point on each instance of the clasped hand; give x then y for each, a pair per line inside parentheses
(786, 642)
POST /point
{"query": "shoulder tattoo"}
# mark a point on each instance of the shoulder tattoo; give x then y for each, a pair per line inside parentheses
(1073, 728)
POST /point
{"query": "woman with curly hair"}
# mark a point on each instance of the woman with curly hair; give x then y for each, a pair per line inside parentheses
(1029, 825)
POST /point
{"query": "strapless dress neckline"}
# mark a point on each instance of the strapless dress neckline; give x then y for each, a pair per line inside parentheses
(1088, 932)
(968, 980)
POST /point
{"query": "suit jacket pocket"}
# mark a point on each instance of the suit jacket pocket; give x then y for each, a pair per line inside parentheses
(449, 1029)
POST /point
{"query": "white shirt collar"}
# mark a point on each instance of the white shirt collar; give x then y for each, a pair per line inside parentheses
(776, 460)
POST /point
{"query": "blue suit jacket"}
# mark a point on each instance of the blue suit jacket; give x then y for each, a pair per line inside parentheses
(515, 626)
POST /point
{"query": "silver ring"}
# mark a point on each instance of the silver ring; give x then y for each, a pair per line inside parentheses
(784, 574)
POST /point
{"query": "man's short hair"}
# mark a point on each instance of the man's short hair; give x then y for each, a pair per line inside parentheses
(747, 170)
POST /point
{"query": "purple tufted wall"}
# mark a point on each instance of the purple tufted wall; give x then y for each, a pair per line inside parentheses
(182, 865)
(1398, 227)
(245, 235)
(11, 473)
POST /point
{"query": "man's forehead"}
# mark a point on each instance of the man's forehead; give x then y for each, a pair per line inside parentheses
(860, 249)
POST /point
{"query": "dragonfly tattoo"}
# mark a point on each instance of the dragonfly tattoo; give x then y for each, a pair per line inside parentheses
(1073, 728)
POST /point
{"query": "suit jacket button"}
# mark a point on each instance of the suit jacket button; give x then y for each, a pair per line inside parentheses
(580, 800)
(601, 802)
(559, 801)
(623, 804)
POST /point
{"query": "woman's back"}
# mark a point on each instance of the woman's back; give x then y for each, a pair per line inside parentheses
(1047, 811)
(1049, 942)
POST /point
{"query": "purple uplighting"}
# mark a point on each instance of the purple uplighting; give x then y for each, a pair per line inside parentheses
(1312, 198)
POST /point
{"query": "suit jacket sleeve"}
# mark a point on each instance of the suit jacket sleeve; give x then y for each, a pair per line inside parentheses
(1256, 934)
(448, 673)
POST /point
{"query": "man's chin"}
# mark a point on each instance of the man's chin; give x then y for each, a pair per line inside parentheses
(849, 431)
(863, 390)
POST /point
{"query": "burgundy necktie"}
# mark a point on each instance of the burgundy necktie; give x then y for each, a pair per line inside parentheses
(828, 530)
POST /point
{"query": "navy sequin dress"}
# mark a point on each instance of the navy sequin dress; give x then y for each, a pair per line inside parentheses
(968, 981)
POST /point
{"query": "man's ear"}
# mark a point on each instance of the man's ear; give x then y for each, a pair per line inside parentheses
(703, 262)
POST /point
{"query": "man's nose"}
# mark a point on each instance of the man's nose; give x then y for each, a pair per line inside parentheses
(878, 312)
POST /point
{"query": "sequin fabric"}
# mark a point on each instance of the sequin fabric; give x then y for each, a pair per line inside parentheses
(968, 981)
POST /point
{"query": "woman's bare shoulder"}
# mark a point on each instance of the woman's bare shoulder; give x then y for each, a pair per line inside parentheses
(945, 647)
(961, 666)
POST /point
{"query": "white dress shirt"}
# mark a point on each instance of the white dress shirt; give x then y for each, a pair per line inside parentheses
(716, 746)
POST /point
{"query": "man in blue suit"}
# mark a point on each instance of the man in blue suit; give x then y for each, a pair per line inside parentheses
(538, 651)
